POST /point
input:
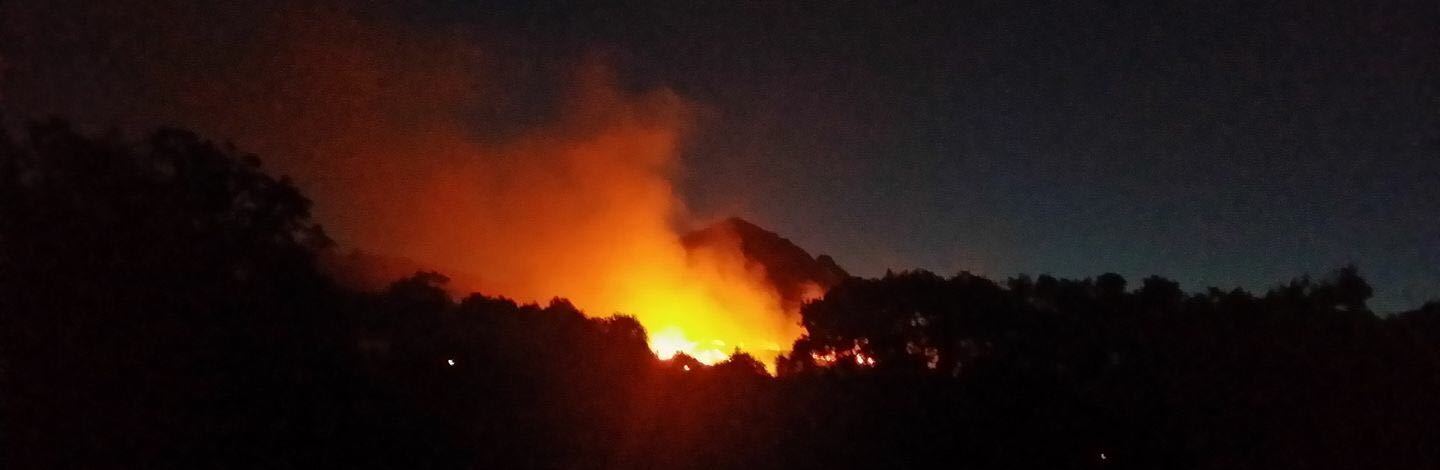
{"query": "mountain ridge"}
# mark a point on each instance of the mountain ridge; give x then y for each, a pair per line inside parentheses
(794, 273)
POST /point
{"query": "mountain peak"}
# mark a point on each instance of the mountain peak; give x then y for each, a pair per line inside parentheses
(793, 272)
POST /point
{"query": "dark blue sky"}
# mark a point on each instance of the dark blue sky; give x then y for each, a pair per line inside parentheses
(1218, 143)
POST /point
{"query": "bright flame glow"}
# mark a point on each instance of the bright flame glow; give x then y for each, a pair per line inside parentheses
(671, 341)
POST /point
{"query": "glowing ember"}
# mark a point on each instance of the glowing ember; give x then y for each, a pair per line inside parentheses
(855, 353)
(862, 359)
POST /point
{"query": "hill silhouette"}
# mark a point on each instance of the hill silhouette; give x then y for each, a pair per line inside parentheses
(794, 273)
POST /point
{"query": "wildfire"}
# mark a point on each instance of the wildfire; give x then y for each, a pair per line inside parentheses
(671, 341)
(581, 207)
(831, 357)
(709, 307)
(586, 210)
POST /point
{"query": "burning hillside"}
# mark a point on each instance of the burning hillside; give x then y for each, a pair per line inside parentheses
(731, 249)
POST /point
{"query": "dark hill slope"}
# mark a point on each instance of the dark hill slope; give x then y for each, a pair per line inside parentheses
(790, 268)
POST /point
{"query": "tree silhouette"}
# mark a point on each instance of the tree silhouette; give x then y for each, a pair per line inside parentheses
(160, 306)
(138, 273)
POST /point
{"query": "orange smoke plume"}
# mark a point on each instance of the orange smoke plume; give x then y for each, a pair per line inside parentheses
(582, 206)
(585, 209)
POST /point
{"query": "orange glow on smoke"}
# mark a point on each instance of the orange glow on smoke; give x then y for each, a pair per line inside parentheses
(586, 210)
(371, 124)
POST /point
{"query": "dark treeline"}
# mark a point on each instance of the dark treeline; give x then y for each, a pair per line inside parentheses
(161, 307)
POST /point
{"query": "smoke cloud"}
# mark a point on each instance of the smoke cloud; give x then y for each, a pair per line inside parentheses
(417, 144)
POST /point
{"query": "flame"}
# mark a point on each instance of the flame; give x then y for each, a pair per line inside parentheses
(830, 357)
(669, 342)
(714, 304)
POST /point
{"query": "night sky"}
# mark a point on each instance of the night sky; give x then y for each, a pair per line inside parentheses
(1217, 143)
